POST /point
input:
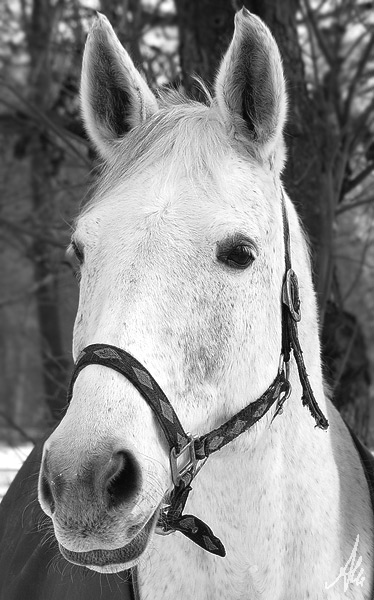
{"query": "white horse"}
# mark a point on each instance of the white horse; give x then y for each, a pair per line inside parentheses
(182, 261)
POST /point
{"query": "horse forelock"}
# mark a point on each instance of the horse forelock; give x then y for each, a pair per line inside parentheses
(188, 135)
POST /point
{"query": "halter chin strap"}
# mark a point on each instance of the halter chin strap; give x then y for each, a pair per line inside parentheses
(187, 452)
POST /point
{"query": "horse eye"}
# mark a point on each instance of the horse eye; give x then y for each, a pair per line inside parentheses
(239, 257)
(78, 252)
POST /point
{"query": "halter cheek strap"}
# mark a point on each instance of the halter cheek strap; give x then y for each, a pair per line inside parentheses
(291, 315)
(187, 453)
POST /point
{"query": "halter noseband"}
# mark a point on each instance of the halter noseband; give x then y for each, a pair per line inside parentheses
(187, 452)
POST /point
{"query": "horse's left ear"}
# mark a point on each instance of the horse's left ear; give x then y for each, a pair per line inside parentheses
(114, 96)
(250, 88)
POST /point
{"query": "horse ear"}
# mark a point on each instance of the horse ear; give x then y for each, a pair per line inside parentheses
(114, 96)
(250, 86)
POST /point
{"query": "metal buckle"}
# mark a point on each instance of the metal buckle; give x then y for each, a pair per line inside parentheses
(291, 295)
(284, 367)
(284, 394)
(183, 462)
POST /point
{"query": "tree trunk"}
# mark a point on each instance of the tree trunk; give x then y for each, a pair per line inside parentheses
(43, 168)
(205, 30)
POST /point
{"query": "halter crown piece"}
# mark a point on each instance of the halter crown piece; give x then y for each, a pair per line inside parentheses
(188, 453)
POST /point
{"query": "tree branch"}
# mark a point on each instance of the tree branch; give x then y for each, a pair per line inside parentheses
(355, 128)
(34, 112)
(360, 68)
(346, 356)
(353, 205)
(361, 265)
(352, 183)
(318, 34)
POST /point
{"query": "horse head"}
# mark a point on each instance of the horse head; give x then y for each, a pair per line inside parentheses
(181, 257)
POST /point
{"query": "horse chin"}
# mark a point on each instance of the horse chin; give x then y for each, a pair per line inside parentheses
(110, 569)
(118, 559)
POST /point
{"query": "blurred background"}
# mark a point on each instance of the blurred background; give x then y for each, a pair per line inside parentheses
(47, 167)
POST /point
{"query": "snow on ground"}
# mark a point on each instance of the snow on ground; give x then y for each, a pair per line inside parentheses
(11, 459)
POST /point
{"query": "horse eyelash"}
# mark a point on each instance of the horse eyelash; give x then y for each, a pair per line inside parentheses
(75, 249)
(70, 254)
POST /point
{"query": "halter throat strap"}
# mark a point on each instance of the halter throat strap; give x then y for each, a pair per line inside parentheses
(186, 452)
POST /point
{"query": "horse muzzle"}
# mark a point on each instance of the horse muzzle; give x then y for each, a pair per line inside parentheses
(102, 514)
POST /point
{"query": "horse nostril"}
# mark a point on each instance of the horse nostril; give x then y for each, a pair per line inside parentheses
(46, 493)
(124, 482)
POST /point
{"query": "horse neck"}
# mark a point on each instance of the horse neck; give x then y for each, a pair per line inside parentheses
(250, 500)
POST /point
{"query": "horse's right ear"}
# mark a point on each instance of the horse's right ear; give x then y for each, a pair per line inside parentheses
(114, 96)
(250, 88)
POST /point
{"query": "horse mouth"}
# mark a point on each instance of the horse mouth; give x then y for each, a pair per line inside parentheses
(119, 556)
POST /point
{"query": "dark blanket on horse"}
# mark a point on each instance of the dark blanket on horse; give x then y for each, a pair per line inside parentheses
(31, 566)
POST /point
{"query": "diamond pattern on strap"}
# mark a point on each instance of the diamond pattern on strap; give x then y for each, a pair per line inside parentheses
(237, 428)
(166, 411)
(209, 544)
(143, 377)
(215, 443)
(259, 411)
(189, 522)
(106, 353)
